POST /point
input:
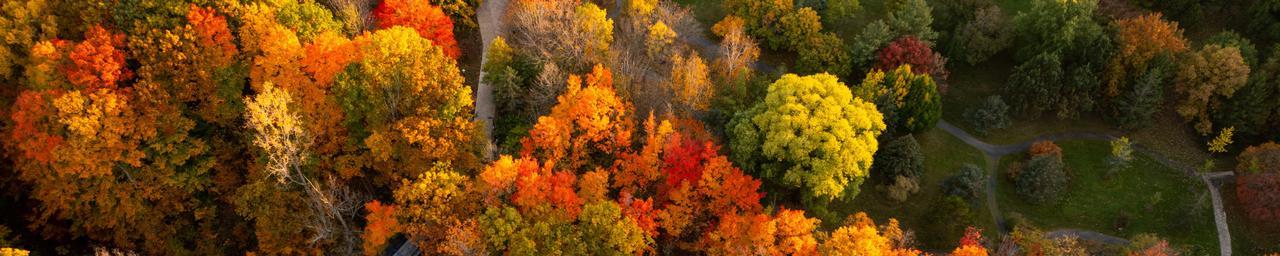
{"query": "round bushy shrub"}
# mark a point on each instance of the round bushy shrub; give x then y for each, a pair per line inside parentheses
(1042, 180)
(991, 115)
(899, 157)
(967, 183)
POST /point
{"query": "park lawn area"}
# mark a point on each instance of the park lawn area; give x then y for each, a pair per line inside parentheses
(944, 155)
(1095, 202)
(1247, 237)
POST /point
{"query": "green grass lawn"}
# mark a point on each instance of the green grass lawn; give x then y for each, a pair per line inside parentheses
(944, 155)
(1248, 237)
(1095, 202)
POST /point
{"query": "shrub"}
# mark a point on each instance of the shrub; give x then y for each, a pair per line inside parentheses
(993, 114)
(901, 188)
(1045, 147)
(1121, 154)
(899, 157)
(1042, 180)
(969, 182)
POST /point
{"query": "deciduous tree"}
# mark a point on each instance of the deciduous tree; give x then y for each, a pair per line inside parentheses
(690, 82)
(1205, 78)
(1140, 40)
(820, 137)
(1258, 181)
(910, 101)
(406, 106)
(911, 51)
(659, 40)
(421, 15)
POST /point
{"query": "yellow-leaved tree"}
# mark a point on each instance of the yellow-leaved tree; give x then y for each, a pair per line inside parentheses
(809, 133)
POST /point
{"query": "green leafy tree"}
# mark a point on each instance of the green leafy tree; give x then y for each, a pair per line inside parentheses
(865, 45)
(841, 9)
(1061, 41)
(1137, 106)
(1042, 180)
(1253, 110)
(912, 17)
(899, 157)
(809, 133)
(969, 182)
(993, 114)
(910, 101)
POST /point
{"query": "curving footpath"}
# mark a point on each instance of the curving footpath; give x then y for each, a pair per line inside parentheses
(994, 152)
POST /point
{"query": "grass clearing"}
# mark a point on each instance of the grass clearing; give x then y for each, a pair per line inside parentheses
(1146, 198)
(944, 155)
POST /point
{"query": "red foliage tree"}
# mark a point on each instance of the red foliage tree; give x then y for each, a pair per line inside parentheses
(98, 62)
(429, 20)
(911, 51)
(1258, 182)
(685, 159)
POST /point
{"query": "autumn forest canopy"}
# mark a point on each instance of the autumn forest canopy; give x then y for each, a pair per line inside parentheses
(639, 127)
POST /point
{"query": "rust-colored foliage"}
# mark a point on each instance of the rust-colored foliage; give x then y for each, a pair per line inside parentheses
(1258, 182)
(213, 33)
(1045, 147)
(31, 135)
(381, 226)
(589, 121)
(429, 20)
(636, 171)
(98, 62)
(641, 211)
(741, 235)
(1141, 39)
(721, 190)
(594, 186)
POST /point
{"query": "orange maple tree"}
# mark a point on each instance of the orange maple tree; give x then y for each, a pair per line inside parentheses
(590, 121)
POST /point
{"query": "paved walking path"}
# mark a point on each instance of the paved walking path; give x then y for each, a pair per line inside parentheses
(994, 152)
(490, 20)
